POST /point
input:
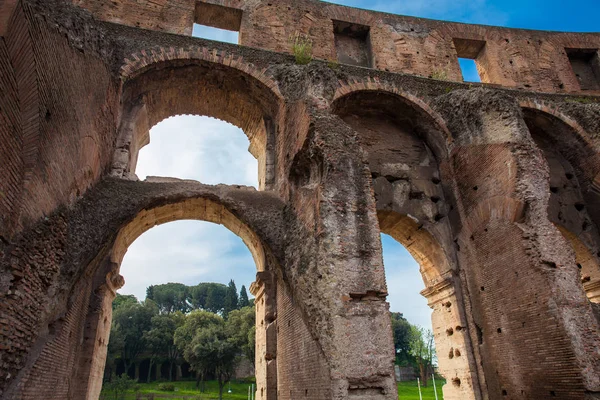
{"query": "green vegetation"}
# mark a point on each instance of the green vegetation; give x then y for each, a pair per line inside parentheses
(334, 65)
(301, 48)
(210, 329)
(239, 390)
(440, 75)
(410, 391)
(581, 100)
(414, 346)
(207, 326)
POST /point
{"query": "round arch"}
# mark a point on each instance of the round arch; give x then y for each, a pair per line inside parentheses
(201, 209)
(107, 279)
(419, 242)
(400, 107)
(194, 86)
(444, 297)
(587, 263)
(552, 129)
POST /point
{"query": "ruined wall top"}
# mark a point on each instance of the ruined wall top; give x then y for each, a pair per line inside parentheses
(551, 62)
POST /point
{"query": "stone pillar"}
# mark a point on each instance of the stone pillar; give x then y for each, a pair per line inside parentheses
(529, 318)
(97, 334)
(452, 343)
(335, 270)
(264, 291)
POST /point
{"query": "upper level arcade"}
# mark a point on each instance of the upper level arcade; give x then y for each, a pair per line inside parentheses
(552, 62)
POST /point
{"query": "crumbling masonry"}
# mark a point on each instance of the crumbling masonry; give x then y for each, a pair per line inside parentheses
(494, 188)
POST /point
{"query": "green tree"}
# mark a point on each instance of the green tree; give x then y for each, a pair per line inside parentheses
(121, 300)
(160, 340)
(241, 329)
(130, 322)
(401, 330)
(208, 296)
(243, 301)
(184, 339)
(423, 349)
(231, 299)
(169, 297)
(214, 351)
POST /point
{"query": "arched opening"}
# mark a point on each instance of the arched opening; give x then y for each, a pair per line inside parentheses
(109, 280)
(194, 87)
(198, 148)
(405, 145)
(173, 270)
(573, 166)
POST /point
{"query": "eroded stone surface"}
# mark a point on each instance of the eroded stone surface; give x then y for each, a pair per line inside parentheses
(494, 191)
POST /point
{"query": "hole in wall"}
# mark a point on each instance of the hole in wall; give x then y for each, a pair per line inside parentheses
(210, 33)
(479, 334)
(585, 64)
(216, 22)
(468, 68)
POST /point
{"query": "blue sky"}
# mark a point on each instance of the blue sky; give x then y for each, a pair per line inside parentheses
(212, 152)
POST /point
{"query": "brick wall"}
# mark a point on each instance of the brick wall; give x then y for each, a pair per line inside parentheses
(508, 57)
(302, 371)
(11, 144)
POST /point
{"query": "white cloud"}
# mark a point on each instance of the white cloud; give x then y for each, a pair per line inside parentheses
(186, 252)
(209, 151)
(199, 148)
(404, 283)
(208, 32)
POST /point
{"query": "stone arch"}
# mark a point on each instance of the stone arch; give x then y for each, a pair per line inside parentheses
(406, 143)
(196, 83)
(444, 297)
(387, 99)
(203, 209)
(567, 136)
(104, 272)
(587, 262)
(574, 166)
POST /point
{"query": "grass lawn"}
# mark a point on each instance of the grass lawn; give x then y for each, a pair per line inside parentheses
(410, 390)
(239, 391)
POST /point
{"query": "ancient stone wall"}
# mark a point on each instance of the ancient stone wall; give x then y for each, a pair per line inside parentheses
(494, 191)
(534, 60)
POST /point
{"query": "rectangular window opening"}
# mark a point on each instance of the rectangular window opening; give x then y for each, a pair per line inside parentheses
(217, 22)
(468, 67)
(352, 43)
(468, 51)
(586, 67)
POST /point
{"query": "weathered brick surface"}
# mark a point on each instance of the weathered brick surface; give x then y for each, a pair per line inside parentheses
(494, 191)
(508, 57)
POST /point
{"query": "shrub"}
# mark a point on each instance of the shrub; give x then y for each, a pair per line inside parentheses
(302, 48)
(439, 75)
(334, 65)
(166, 387)
(118, 386)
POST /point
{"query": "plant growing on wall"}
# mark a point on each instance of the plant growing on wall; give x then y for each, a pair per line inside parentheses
(302, 48)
